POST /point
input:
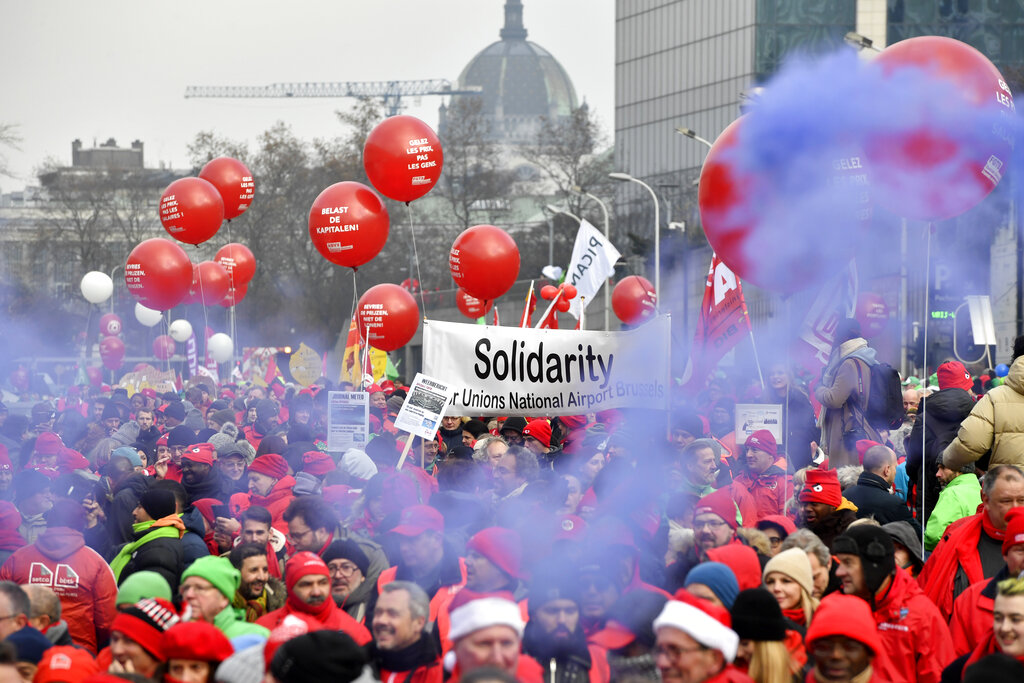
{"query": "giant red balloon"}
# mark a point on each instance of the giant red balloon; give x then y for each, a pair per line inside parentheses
(484, 261)
(772, 231)
(234, 183)
(932, 169)
(403, 158)
(387, 317)
(634, 300)
(470, 306)
(163, 347)
(348, 224)
(191, 210)
(110, 325)
(238, 261)
(210, 284)
(158, 274)
(235, 295)
(111, 352)
(872, 313)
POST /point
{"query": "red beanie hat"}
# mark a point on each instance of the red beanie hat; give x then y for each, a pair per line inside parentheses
(763, 440)
(844, 615)
(718, 503)
(573, 421)
(271, 465)
(1014, 529)
(68, 459)
(822, 487)
(317, 463)
(65, 664)
(203, 453)
(48, 443)
(503, 547)
(953, 375)
(196, 640)
(303, 564)
(540, 430)
(145, 623)
(862, 447)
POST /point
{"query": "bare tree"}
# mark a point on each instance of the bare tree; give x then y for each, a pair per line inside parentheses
(9, 137)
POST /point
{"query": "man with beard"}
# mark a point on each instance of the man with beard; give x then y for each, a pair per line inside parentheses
(309, 597)
(148, 433)
(402, 650)
(350, 588)
(168, 463)
(555, 638)
(311, 524)
(266, 422)
(198, 475)
(258, 592)
(823, 510)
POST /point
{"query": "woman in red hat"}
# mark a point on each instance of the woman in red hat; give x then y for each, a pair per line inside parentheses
(194, 650)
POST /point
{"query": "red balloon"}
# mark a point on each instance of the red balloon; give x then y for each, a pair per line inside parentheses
(548, 292)
(470, 306)
(387, 317)
(937, 170)
(210, 284)
(872, 313)
(235, 295)
(158, 274)
(403, 158)
(563, 305)
(191, 210)
(112, 352)
(765, 235)
(234, 183)
(484, 261)
(348, 224)
(110, 325)
(95, 376)
(163, 347)
(570, 291)
(238, 261)
(634, 300)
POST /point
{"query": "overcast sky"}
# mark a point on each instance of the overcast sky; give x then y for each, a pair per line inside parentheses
(119, 68)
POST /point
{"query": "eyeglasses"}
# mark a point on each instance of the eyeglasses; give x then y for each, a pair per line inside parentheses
(347, 569)
(195, 587)
(712, 525)
(10, 616)
(293, 537)
(675, 652)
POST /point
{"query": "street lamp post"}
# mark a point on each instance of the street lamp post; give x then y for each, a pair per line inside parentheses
(607, 238)
(625, 177)
(692, 134)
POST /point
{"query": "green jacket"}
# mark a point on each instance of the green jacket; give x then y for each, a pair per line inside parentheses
(232, 624)
(959, 499)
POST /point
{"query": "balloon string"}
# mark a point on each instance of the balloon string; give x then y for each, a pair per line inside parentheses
(416, 260)
(206, 321)
(231, 310)
(352, 317)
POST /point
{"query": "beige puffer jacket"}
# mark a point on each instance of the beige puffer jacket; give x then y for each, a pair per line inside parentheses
(995, 424)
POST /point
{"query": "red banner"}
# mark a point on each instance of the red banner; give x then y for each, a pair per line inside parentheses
(723, 321)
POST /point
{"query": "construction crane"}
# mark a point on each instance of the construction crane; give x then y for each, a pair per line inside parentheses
(389, 92)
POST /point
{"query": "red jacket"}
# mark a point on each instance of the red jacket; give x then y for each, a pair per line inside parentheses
(730, 674)
(81, 578)
(972, 614)
(770, 490)
(958, 548)
(276, 502)
(915, 636)
(337, 620)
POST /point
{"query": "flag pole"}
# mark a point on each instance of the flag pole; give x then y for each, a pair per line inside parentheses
(550, 308)
(526, 307)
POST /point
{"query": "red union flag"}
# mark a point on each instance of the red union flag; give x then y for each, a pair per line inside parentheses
(723, 321)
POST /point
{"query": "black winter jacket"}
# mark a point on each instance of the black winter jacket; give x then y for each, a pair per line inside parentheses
(872, 498)
(161, 555)
(946, 409)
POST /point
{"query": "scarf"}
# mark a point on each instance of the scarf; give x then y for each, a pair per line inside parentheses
(990, 529)
(320, 613)
(796, 615)
(167, 527)
(254, 609)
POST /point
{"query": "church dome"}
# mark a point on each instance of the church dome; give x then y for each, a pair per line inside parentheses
(520, 82)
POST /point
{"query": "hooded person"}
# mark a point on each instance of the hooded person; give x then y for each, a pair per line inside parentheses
(194, 650)
(843, 643)
(914, 635)
(136, 640)
(156, 540)
(309, 594)
(823, 508)
(87, 589)
(270, 486)
(843, 392)
(208, 586)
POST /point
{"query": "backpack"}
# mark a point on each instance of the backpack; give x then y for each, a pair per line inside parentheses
(885, 398)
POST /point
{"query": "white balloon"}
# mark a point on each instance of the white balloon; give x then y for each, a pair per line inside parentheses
(180, 330)
(220, 347)
(147, 316)
(97, 287)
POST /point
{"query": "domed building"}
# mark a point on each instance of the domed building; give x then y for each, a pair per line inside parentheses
(520, 81)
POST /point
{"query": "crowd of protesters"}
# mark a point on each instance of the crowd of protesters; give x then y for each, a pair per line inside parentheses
(209, 535)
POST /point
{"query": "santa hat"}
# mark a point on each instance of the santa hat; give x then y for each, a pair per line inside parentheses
(844, 615)
(718, 503)
(822, 486)
(1014, 529)
(540, 430)
(698, 623)
(763, 440)
(271, 465)
(471, 612)
(502, 547)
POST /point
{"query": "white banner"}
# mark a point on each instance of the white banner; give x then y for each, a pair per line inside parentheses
(593, 262)
(521, 371)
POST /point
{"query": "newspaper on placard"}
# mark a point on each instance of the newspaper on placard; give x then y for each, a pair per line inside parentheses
(348, 420)
(751, 417)
(421, 413)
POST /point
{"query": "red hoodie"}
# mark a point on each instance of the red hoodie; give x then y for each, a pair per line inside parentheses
(78, 575)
